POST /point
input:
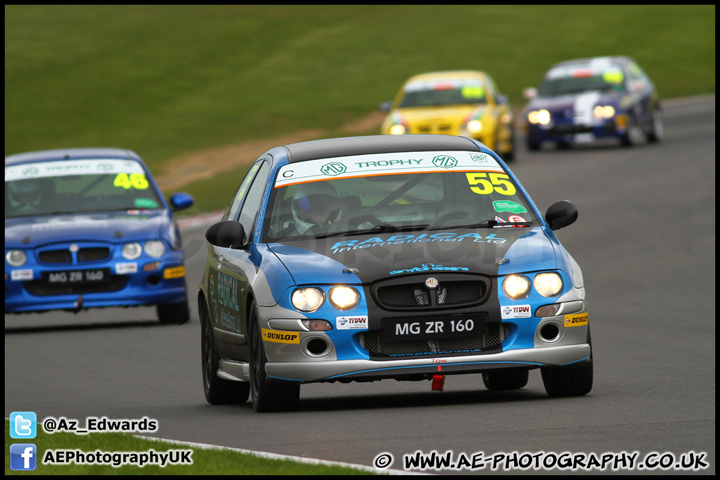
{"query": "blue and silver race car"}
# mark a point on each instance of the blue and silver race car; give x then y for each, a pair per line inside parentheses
(88, 227)
(407, 257)
(581, 101)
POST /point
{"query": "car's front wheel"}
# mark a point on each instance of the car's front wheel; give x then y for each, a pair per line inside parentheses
(571, 380)
(218, 391)
(657, 129)
(266, 396)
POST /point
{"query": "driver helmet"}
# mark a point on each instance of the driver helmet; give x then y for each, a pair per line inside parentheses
(315, 204)
(23, 193)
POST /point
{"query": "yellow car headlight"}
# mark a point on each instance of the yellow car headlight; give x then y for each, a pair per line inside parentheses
(474, 126)
(516, 286)
(548, 284)
(397, 129)
(307, 299)
(344, 298)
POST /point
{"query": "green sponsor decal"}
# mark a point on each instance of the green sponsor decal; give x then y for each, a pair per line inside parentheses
(145, 203)
(508, 206)
(333, 169)
(444, 161)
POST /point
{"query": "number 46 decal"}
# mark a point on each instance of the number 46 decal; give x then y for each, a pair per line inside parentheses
(498, 182)
(134, 180)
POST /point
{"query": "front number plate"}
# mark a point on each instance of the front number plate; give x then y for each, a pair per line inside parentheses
(446, 326)
(99, 275)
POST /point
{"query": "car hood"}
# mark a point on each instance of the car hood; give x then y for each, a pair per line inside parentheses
(368, 258)
(569, 101)
(104, 227)
(433, 114)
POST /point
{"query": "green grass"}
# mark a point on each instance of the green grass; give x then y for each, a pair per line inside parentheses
(204, 461)
(167, 80)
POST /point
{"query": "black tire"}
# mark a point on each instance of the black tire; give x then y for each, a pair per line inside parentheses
(267, 396)
(634, 133)
(218, 391)
(173, 313)
(570, 381)
(657, 128)
(505, 380)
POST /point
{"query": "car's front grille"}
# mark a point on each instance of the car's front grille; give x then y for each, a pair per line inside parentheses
(493, 337)
(84, 255)
(412, 294)
(445, 128)
(44, 289)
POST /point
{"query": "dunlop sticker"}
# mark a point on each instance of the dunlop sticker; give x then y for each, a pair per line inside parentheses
(280, 337)
(576, 320)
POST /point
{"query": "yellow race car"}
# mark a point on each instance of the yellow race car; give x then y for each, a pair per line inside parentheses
(465, 103)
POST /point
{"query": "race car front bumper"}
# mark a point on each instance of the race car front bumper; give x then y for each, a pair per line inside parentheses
(350, 370)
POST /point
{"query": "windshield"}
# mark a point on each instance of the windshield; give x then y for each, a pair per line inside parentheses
(578, 78)
(393, 193)
(77, 186)
(443, 92)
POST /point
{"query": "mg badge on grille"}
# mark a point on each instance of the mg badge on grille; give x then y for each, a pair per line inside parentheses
(74, 248)
(432, 282)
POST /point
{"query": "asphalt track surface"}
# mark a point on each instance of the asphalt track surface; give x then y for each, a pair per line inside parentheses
(645, 239)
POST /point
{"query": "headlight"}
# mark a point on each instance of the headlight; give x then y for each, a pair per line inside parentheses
(474, 126)
(604, 111)
(131, 251)
(548, 284)
(539, 116)
(154, 248)
(516, 286)
(16, 258)
(397, 130)
(307, 299)
(344, 298)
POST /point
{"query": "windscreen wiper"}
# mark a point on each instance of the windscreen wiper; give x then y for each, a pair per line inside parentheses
(485, 224)
(379, 228)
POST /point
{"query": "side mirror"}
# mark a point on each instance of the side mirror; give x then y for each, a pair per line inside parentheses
(181, 201)
(227, 234)
(385, 106)
(561, 214)
(501, 100)
(530, 93)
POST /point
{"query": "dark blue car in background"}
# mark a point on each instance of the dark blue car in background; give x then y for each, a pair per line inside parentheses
(581, 101)
(88, 228)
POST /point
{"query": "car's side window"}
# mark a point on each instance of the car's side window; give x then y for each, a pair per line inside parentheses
(234, 206)
(254, 197)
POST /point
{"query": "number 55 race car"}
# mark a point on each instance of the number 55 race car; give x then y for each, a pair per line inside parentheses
(403, 257)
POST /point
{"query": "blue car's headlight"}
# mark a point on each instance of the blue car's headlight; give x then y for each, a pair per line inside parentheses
(307, 299)
(131, 251)
(154, 248)
(548, 284)
(16, 258)
(344, 298)
(604, 111)
(516, 286)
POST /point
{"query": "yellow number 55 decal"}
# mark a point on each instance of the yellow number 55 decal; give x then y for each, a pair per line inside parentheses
(134, 180)
(498, 182)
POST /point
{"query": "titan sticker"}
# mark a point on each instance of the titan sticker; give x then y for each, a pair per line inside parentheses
(352, 323)
(576, 320)
(515, 311)
(280, 337)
